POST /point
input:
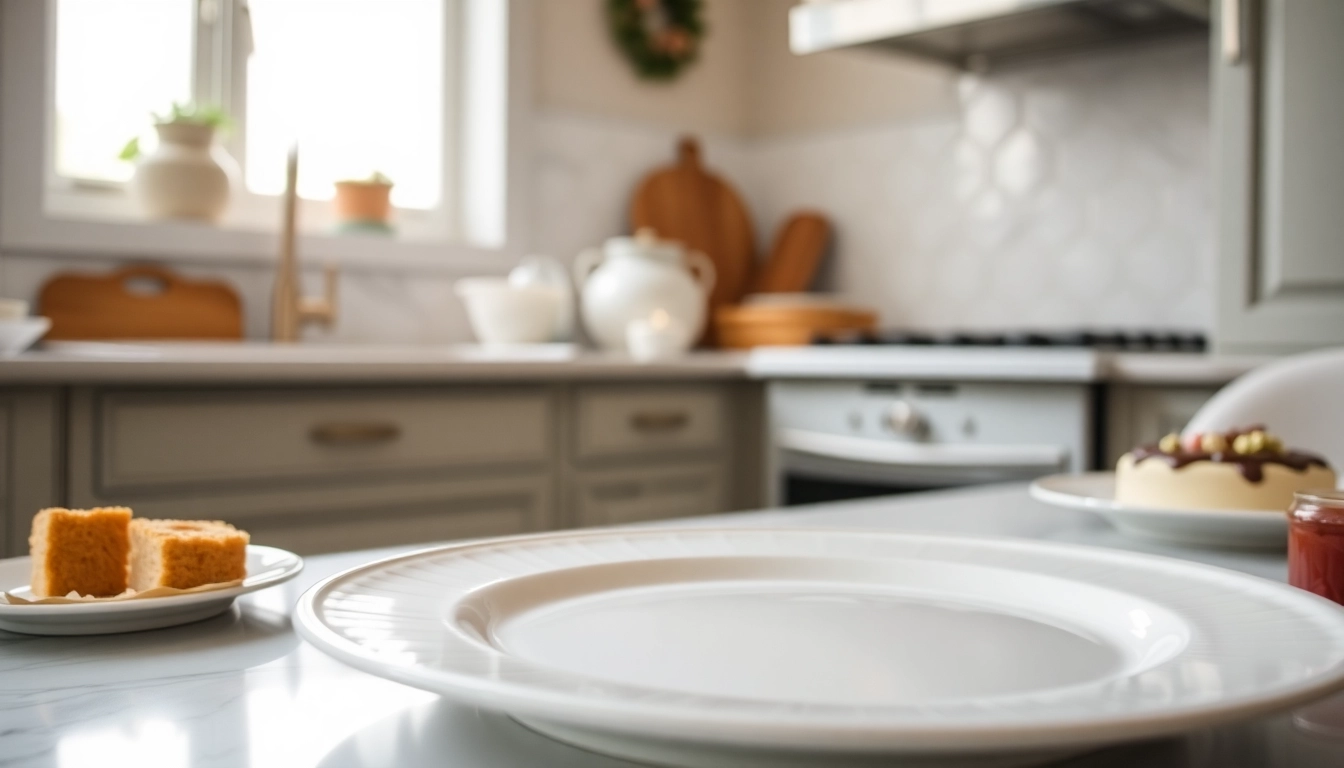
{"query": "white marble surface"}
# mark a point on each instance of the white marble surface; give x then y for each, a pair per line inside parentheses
(375, 363)
(242, 690)
(372, 363)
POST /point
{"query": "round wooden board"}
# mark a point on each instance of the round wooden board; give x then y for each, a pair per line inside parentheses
(685, 202)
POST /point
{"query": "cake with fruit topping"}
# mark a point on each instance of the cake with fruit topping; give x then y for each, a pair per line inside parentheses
(1241, 469)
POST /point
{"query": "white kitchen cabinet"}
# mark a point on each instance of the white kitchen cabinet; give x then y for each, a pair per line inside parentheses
(30, 462)
(194, 438)
(1142, 414)
(642, 452)
(322, 469)
(1278, 116)
(629, 421)
(319, 469)
(613, 497)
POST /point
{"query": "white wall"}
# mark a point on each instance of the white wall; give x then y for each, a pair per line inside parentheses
(579, 71)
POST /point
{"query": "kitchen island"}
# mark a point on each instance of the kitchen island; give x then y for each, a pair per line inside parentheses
(242, 690)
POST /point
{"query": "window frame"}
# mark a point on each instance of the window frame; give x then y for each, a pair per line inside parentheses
(41, 212)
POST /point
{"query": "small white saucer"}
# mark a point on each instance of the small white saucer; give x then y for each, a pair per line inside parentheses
(1236, 528)
(266, 567)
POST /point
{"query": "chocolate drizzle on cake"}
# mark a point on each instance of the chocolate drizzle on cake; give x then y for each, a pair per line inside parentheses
(1251, 465)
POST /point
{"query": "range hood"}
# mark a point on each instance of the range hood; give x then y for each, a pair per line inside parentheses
(977, 34)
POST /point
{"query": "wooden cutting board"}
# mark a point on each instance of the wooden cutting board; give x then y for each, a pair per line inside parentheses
(140, 302)
(686, 202)
(797, 253)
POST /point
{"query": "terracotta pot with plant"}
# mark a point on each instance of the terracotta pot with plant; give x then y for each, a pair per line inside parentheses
(364, 205)
(187, 175)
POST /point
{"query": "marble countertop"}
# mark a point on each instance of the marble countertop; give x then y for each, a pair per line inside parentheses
(227, 362)
(242, 690)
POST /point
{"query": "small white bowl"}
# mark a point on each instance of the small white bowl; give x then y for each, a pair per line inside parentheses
(18, 335)
(501, 313)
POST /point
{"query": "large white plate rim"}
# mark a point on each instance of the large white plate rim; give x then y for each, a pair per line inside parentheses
(281, 566)
(857, 732)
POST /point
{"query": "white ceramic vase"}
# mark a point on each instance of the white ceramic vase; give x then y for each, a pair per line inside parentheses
(548, 271)
(187, 176)
(633, 277)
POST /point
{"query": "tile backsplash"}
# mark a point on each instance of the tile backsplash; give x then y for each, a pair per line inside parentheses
(1071, 193)
(1064, 194)
(1075, 192)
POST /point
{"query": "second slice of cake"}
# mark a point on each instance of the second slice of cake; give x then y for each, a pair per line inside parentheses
(185, 553)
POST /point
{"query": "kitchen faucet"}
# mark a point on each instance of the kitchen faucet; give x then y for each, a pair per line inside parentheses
(290, 309)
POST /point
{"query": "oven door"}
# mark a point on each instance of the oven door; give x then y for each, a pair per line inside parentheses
(817, 466)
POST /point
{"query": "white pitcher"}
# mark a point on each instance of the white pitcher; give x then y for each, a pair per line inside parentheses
(632, 277)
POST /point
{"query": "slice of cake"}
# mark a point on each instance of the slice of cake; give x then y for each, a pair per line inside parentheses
(80, 550)
(1241, 469)
(185, 553)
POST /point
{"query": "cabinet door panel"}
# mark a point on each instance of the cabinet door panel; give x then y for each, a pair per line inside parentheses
(313, 520)
(617, 422)
(1278, 116)
(616, 497)
(1302, 163)
(30, 463)
(197, 439)
(518, 505)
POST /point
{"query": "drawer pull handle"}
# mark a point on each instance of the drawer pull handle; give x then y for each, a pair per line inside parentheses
(355, 433)
(659, 421)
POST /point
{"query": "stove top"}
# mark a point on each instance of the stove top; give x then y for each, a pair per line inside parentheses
(1130, 341)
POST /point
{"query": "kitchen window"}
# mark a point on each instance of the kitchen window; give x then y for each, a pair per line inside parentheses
(418, 90)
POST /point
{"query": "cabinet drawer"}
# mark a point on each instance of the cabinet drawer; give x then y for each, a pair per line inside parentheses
(633, 496)
(615, 422)
(146, 439)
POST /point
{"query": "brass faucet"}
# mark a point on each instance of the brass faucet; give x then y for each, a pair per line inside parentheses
(290, 309)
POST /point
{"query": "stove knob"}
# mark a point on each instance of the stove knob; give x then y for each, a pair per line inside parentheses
(903, 419)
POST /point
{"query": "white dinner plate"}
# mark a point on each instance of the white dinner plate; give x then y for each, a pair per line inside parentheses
(266, 567)
(1095, 492)
(745, 647)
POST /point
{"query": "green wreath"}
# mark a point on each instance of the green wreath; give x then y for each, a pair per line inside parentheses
(659, 37)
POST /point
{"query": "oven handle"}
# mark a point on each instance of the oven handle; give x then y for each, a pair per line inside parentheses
(921, 455)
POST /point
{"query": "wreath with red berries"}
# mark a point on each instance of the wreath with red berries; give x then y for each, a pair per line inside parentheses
(659, 37)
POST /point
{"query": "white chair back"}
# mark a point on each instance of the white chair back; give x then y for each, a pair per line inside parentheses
(1299, 398)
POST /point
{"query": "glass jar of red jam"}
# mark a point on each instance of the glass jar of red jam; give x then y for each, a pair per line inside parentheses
(1316, 543)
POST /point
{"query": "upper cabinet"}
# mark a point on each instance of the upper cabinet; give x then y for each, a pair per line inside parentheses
(979, 34)
(1279, 118)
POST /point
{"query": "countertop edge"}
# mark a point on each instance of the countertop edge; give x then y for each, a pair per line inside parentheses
(46, 369)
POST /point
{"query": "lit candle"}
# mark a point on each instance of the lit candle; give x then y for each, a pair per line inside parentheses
(657, 336)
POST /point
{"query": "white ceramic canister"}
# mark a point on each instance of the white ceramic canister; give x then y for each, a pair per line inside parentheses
(186, 176)
(548, 271)
(632, 277)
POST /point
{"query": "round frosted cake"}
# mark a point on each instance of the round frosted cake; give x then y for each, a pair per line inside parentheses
(1242, 469)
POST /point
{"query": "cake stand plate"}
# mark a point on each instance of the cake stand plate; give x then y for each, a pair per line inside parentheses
(1224, 528)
